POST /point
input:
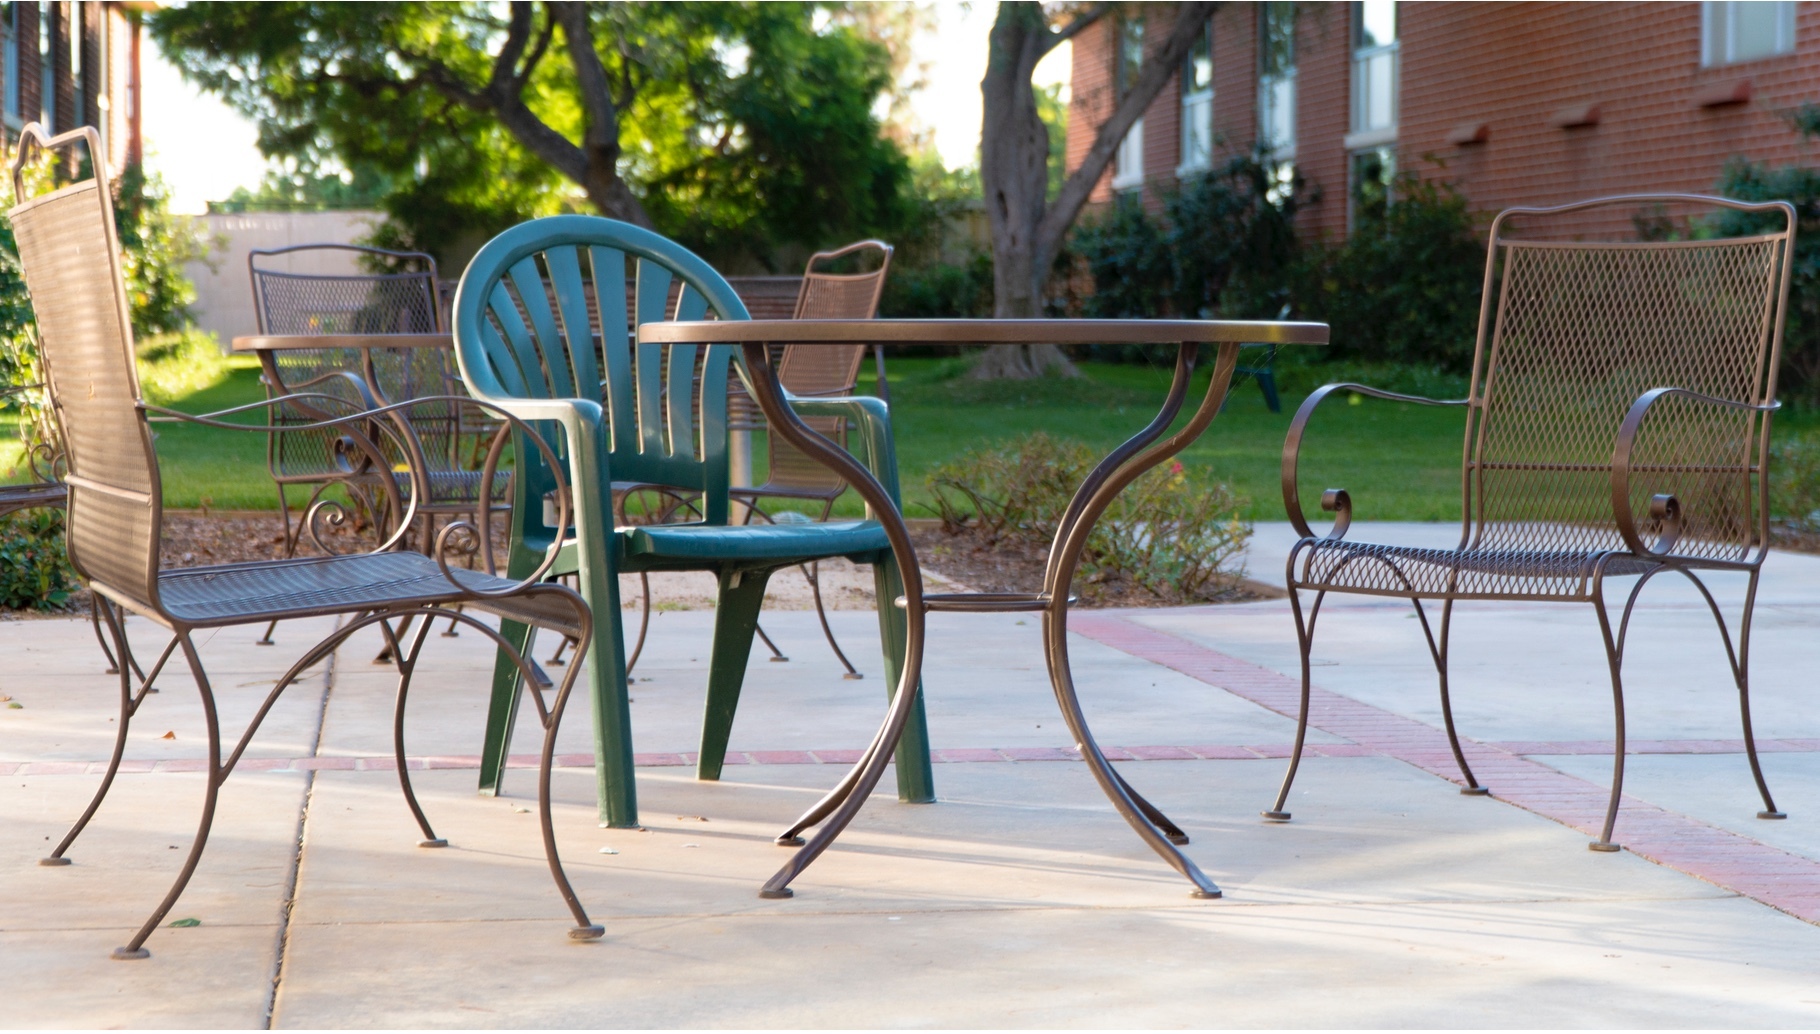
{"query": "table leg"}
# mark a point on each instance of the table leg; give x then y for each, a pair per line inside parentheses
(1096, 494)
(840, 806)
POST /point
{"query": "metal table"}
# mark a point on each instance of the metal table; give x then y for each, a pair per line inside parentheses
(1123, 465)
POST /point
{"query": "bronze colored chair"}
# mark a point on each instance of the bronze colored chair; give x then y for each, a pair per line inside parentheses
(71, 263)
(1617, 426)
(820, 372)
(365, 303)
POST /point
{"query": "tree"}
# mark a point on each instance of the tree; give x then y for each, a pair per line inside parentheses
(1028, 229)
(758, 118)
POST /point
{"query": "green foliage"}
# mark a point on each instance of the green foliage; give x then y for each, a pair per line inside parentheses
(940, 289)
(1404, 286)
(1124, 251)
(1800, 186)
(35, 573)
(1177, 535)
(1795, 481)
(175, 365)
(747, 130)
(315, 190)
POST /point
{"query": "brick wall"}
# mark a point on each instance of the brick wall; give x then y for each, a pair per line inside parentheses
(1514, 68)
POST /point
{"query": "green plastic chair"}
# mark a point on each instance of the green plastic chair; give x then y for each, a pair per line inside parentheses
(541, 331)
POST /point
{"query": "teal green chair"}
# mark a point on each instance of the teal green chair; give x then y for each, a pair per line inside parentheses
(541, 331)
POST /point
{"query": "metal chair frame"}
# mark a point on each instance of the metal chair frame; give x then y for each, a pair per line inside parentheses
(1617, 425)
(822, 372)
(71, 263)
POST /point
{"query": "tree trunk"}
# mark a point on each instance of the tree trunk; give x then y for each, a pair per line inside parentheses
(1014, 157)
(1027, 229)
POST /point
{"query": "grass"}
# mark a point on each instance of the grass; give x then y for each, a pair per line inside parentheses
(1399, 461)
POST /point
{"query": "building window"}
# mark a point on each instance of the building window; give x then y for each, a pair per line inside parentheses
(1276, 93)
(1732, 32)
(1372, 174)
(1374, 69)
(9, 52)
(47, 66)
(1196, 85)
(1128, 59)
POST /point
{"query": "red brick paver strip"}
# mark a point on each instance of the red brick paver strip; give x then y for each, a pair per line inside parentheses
(1737, 863)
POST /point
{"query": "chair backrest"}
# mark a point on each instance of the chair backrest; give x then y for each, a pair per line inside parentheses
(834, 369)
(71, 263)
(1576, 324)
(541, 312)
(286, 301)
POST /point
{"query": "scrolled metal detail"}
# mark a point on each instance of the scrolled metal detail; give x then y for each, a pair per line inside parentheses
(1292, 449)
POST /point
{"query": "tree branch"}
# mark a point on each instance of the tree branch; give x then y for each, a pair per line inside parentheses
(601, 138)
(1153, 75)
(1073, 28)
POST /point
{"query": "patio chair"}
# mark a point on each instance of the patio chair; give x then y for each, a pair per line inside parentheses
(541, 330)
(408, 302)
(71, 264)
(822, 371)
(1617, 426)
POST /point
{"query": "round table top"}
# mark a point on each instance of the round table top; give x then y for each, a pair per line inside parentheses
(983, 332)
(283, 342)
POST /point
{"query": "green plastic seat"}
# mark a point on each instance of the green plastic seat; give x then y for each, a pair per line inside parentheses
(542, 330)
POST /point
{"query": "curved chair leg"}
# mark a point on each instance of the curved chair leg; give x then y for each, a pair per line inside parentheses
(1438, 650)
(407, 667)
(1740, 662)
(813, 573)
(1614, 659)
(134, 949)
(1304, 637)
(644, 619)
(777, 656)
(129, 705)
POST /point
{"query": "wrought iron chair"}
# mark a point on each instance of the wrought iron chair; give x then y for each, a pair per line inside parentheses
(541, 329)
(819, 372)
(71, 264)
(365, 303)
(1617, 426)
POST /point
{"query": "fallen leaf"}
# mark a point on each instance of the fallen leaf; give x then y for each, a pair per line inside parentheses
(186, 922)
(691, 845)
(608, 850)
(16, 706)
(171, 735)
(522, 811)
(5, 698)
(691, 818)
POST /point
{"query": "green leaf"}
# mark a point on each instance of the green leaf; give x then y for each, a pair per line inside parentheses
(186, 922)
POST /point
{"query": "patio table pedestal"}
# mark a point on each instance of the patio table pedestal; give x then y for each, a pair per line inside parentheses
(1120, 468)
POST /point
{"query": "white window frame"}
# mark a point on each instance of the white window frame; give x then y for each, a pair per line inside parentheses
(1366, 62)
(1197, 119)
(1719, 20)
(1277, 97)
(10, 103)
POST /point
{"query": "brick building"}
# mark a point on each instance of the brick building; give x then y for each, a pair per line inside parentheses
(69, 64)
(1518, 103)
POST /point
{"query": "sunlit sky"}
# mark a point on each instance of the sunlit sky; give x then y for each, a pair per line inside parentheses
(205, 150)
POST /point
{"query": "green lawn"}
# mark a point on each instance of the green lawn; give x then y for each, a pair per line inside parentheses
(1398, 461)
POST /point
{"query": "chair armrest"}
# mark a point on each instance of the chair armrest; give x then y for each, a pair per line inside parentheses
(872, 418)
(1663, 507)
(456, 536)
(1334, 500)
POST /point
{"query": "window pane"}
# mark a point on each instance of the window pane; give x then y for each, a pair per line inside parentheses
(1754, 30)
(1373, 172)
(1277, 37)
(1197, 71)
(1197, 132)
(1131, 52)
(1377, 24)
(1382, 110)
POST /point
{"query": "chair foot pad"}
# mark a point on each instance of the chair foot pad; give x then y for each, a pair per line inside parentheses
(1178, 839)
(53, 861)
(1275, 816)
(1475, 791)
(438, 842)
(1206, 895)
(853, 675)
(782, 892)
(587, 933)
(128, 954)
(789, 841)
(1603, 846)
(1772, 814)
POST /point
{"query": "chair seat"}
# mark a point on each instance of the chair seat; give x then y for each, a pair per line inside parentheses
(229, 594)
(1364, 567)
(786, 542)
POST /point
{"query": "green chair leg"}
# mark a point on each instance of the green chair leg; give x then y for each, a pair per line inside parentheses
(502, 710)
(742, 594)
(915, 780)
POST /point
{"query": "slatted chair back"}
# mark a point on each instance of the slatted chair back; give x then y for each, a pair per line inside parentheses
(289, 302)
(823, 371)
(71, 263)
(547, 301)
(1574, 330)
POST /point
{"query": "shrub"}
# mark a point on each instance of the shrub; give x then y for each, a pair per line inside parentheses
(1749, 181)
(1172, 533)
(940, 289)
(1404, 286)
(35, 573)
(1795, 482)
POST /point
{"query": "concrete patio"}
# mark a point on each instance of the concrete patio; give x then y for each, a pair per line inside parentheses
(1021, 899)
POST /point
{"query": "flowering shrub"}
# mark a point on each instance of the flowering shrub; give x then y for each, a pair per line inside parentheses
(34, 573)
(1173, 533)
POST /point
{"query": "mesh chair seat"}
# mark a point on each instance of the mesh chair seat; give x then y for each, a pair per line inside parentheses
(1427, 573)
(270, 591)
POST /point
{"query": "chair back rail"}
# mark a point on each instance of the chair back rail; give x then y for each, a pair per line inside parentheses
(1573, 331)
(547, 306)
(70, 260)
